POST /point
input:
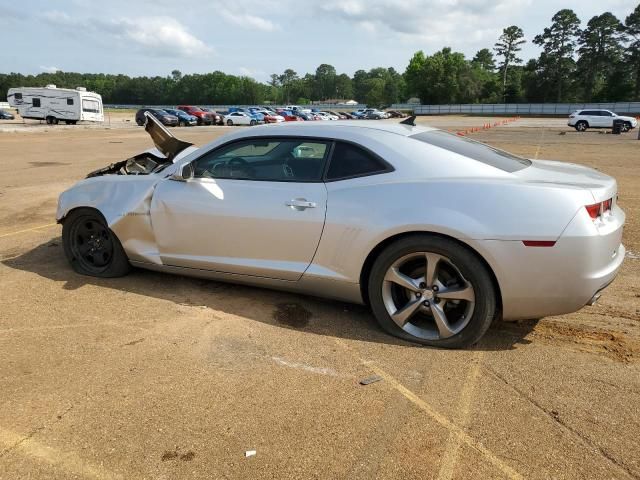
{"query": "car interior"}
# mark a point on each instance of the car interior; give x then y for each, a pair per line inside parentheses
(274, 160)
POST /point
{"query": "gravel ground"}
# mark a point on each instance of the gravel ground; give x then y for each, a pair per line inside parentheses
(154, 376)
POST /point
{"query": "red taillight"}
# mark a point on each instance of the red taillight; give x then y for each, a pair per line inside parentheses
(596, 209)
(593, 210)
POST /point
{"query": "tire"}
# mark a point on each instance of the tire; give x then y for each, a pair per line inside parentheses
(626, 127)
(252, 123)
(49, 120)
(182, 123)
(139, 122)
(230, 122)
(581, 126)
(199, 121)
(91, 247)
(460, 274)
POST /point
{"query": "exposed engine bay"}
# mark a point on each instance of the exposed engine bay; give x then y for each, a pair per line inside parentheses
(141, 164)
(151, 161)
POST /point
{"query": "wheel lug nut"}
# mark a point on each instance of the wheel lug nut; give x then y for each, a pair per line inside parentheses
(435, 288)
(418, 294)
(426, 304)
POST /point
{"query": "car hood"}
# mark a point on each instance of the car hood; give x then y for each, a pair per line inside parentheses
(626, 119)
(162, 138)
(569, 175)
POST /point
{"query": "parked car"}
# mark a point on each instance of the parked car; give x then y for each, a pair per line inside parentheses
(496, 223)
(184, 119)
(4, 115)
(217, 119)
(395, 114)
(348, 116)
(204, 118)
(290, 116)
(164, 117)
(340, 115)
(240, 118)
(374, 114)
(258, 117)
(581, 120)
(303, 115)
(272, 117)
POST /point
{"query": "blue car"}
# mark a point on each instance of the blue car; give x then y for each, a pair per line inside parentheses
(184, 119)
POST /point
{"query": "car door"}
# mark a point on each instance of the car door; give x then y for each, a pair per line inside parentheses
(254, 207)
(606, 119)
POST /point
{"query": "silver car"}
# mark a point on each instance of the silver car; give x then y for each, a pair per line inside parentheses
(437, 233)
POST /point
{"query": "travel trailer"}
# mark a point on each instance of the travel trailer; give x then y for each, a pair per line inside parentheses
(56, 104)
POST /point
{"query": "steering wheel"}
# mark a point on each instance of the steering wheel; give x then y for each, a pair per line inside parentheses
(241, 165)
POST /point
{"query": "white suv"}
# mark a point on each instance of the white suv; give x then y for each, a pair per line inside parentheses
(583, 119)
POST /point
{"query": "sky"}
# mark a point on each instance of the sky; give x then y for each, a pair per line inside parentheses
(260, 37)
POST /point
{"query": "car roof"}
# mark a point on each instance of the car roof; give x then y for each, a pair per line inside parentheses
(326, 128)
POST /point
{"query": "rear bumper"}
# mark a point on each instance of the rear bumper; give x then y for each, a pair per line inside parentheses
(543, 281)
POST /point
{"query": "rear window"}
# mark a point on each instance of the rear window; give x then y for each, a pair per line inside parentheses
(474, 150)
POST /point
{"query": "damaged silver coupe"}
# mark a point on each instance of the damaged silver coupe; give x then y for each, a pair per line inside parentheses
(437, 233)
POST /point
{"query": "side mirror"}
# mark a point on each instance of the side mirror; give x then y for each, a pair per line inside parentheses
(184, 173)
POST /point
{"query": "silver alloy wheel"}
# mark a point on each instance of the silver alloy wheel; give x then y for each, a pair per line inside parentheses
(425, 294)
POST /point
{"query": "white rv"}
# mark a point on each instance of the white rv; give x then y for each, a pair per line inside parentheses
(56, 104)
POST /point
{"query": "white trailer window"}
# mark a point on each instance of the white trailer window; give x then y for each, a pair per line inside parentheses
(91, 106)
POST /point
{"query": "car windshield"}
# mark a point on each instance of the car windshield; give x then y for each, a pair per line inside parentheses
(474, 150)
(195, 109)
(160, 112)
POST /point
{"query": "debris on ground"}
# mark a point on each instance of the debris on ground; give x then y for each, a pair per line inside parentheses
(370, 380)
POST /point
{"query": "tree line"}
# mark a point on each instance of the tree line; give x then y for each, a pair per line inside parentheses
(600, 62)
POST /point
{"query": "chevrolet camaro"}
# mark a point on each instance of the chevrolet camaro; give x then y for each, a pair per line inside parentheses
(437, 233)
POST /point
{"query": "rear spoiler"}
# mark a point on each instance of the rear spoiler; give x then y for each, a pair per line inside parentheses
(409, 121)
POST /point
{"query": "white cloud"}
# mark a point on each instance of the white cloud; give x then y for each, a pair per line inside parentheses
(50, 69)
(437, 21)
(247, 20)
(161, 36)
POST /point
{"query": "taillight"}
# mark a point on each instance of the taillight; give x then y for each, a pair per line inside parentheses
(597, 209)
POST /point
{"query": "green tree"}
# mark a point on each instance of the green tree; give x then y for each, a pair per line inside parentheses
(325, 82)
(507, 47)
(632, 29)
(600, 48)
(558, 43)
(484, 60)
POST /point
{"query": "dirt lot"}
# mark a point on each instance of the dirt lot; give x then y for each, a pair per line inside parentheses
(161, 377)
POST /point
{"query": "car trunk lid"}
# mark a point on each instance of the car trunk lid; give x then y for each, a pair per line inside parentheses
(570, 175)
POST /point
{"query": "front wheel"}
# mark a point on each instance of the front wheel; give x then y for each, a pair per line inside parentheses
(252, 123)
(91, 247)
(230, 122)
(626, 127)
(581, 126)
(432, 291)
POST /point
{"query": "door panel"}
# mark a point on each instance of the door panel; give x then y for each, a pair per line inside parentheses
(258, 228)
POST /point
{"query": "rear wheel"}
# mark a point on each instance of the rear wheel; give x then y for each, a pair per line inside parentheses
(432, 291)
(139, 122)
(581, 126)
(91, 247)
(51, 120)
(252, 123)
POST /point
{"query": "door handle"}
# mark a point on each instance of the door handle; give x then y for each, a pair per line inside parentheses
(300, 204)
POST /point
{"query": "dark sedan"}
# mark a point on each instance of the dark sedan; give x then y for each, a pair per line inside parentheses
(164, 117)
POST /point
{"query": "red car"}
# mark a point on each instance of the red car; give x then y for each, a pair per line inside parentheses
(288, 116)
(204, 118)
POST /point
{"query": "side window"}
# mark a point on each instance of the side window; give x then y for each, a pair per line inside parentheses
(35, 102)
(69, 101)
(275, 160)
(351, 161)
